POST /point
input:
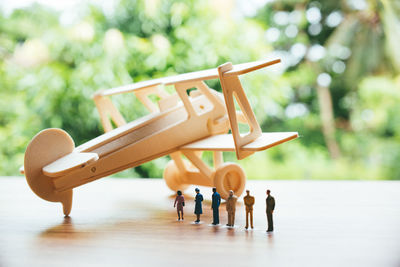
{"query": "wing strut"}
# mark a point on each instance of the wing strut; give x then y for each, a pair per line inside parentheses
(231, 87)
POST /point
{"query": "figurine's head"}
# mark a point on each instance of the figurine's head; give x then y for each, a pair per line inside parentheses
(248, 192)
(214, 189)
(230, 193)
(268, 191)
(179, 192)
(197, 190)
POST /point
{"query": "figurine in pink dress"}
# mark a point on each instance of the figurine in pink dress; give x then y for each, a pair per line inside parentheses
(179, 203)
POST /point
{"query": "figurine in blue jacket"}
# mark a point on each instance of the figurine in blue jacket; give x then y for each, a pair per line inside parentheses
(216, 201)
(197, 208)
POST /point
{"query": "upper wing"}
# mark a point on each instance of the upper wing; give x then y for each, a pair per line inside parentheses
(186, 77)
(130, 87)
(192, 76)
(244, 68)
(202, 75)
(224, 142)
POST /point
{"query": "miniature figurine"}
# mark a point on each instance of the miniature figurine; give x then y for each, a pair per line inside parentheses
(249, 202)
(231, 208)
(270, 202)
(184, 125)
(198, 208)
(179, 203)
(216, 201)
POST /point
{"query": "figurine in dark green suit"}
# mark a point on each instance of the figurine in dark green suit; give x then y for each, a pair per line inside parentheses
(270, 202)
(198, 207)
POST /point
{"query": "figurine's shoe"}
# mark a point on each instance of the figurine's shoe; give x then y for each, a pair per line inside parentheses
(246, 228)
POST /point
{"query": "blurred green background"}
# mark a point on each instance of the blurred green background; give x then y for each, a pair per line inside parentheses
(338, 84)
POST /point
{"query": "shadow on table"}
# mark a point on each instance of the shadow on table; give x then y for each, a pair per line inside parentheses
(137, 220)
(65, 229)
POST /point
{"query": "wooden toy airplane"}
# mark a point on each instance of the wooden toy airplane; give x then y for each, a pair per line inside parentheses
(181, 124)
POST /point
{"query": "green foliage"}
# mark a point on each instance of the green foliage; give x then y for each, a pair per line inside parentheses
(49, 70)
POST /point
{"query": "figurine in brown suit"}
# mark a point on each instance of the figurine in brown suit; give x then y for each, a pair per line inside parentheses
(231, 208)
(270, 202)
(249, 202)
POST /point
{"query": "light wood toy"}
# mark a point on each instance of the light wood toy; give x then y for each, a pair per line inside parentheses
(182, 124)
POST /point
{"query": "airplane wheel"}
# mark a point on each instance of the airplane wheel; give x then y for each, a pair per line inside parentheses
(229, 176)
(173, 178)
(46, 147)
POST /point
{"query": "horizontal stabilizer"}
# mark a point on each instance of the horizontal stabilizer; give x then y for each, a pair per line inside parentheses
(224, 142)
(68, 163)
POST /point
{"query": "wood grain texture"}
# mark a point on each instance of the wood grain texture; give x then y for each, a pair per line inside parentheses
(132, 222)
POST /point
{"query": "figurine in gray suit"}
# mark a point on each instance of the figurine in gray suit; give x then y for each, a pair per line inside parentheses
(231, 208)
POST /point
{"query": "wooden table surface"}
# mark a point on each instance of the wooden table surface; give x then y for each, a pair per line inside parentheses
(131, 222)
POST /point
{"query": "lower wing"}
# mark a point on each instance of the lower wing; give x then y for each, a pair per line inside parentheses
(224, 142)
